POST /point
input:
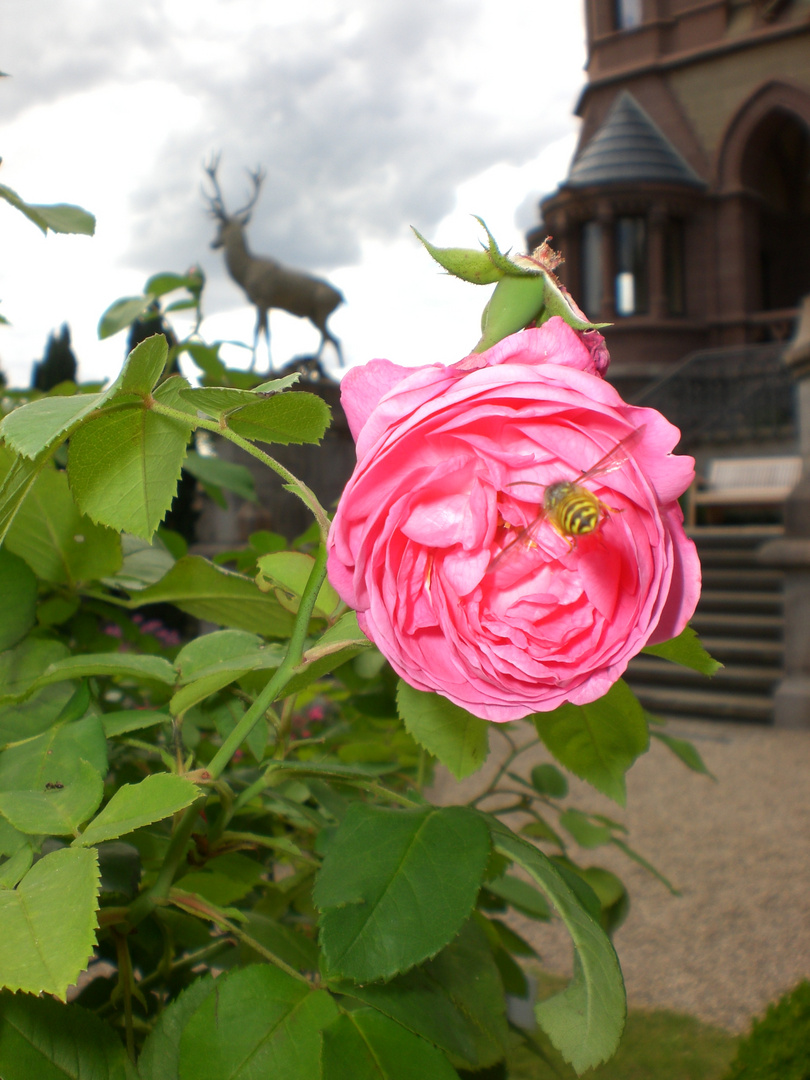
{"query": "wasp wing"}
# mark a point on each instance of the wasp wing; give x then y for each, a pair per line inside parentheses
(615, 457)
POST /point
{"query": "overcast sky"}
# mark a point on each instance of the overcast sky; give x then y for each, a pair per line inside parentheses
(368, 116)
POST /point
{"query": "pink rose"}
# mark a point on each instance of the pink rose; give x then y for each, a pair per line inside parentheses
(452, 463)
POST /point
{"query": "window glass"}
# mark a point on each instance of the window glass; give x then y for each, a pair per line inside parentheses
(628, 14)
(631, 266)
(591, 292)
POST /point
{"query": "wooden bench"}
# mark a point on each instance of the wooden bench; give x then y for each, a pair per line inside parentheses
(765, 481)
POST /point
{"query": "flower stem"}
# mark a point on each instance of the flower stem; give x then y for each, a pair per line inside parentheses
(147, 901)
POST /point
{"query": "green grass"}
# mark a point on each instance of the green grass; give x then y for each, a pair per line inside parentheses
(656, 1045)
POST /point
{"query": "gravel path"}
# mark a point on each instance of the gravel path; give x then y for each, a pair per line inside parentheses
(738, 936)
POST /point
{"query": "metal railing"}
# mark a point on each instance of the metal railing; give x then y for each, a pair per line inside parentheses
(733, 394)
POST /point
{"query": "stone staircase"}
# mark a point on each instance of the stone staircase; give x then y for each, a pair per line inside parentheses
(739, 620)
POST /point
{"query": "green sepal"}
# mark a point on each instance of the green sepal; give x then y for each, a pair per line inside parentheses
(465, 263)
(500, 259)
(515, 303)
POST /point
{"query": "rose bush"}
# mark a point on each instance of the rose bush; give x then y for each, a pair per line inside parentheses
(451, 463)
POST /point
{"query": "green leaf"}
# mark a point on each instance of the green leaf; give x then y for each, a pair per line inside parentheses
(586, 1020)
(686, 649)
(400, 868)
(16, 867)
(275, 386)
(144, 563)
(18, 588)
(28, 718)
(296, 417)
(289, 571)
(54, 757)
(611, 894)
(59, 809)
(10, 840)
(17, 482)
(442, 1001)
(343, 633)
(59, 543)
(217, 400)
(160, 1057)
(46, 422)
(121, 723)
(206, 357)
(548, 780)
(520, 895)
(214, 660)
(598, 742)
(205, 591)
(257, 1023)
(124, 465)
(57, 610)
(224, 474)
(160, 284)
(510, 940)
(47, 924)
(334, 647)
(41, 1039)
(20, 666)
(685, 750)
(224, 880)
(64, 218)
(135, 805)
(121, 314)
(144, 366)
(122, 665)
(283, 941)
(58, 217)
(365, 1045)
(587, 833)
(458, 739)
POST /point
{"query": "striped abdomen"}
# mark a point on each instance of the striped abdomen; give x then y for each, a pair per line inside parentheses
(571, 509)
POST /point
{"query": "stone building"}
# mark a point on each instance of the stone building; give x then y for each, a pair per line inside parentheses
(685, 217)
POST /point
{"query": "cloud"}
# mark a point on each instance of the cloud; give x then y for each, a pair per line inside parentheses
(367, 115)
(366, 118)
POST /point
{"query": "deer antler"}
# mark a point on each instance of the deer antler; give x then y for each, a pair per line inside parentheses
(257, 176)
(216, 204)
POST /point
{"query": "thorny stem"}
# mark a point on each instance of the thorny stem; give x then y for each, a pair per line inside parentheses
(194, 905)
(516, 752)
(146, 902)
(125, 976)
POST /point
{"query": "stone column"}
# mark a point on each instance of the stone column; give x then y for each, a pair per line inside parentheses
(656, 262)
(791, 553)
(606, 219)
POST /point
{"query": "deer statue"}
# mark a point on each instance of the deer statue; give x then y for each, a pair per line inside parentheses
(266, 282)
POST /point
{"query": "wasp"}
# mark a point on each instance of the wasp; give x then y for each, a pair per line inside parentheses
(568, 506)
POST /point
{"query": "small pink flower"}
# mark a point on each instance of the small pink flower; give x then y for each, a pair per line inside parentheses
(452, 462)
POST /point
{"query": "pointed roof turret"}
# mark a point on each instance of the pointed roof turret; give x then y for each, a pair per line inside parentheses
(629, 147)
